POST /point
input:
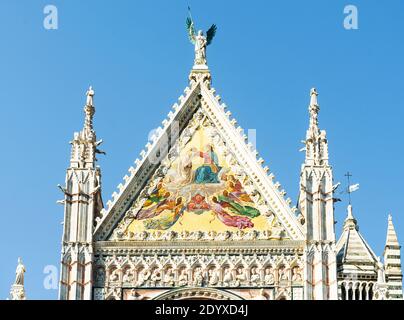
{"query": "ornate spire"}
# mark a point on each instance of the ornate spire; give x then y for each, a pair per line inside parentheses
(316, 141)
(84, 144)
(17, 291)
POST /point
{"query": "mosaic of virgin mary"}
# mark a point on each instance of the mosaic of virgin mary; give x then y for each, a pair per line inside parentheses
(208, 172)
(200, 189)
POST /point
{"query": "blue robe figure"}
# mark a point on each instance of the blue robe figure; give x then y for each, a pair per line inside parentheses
(208, 173)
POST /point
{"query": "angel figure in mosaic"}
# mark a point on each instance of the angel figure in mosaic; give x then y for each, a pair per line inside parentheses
(168, 215)
(239, 222)
(236, 190)
(154, 203)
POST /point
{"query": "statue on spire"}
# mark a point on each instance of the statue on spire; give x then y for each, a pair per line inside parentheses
(19, 273)
(89, 111)
(313, 108)
(90, 96)
(200, 41)
(17, 289)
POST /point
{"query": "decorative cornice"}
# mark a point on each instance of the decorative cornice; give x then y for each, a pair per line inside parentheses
(202, 247)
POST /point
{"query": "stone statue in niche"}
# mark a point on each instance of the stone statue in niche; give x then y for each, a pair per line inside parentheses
(255, 276)
(155, 277)
(144, 276)
(269, 278)
(128, 276)
(169, 277)
(114, 276)
(283, 274)
(241, 277)
(198, 277)
(227, 277)
(213, 277)
(296, 274)
(183, 278)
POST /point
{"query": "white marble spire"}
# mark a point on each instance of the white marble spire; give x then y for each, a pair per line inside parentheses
(316, 140)
(84, 144)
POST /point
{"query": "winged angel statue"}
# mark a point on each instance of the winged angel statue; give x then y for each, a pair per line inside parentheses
(200, 41)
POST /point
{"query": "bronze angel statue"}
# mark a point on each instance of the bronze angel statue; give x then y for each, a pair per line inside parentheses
(200, 41)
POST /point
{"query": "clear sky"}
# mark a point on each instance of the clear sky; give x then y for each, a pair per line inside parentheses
(265, 58)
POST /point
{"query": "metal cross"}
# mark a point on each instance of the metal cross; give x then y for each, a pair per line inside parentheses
(349, 175)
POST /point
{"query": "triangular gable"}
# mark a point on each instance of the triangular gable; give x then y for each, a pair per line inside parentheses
(267, 197)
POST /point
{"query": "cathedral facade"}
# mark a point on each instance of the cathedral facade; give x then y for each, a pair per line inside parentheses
(198, 216)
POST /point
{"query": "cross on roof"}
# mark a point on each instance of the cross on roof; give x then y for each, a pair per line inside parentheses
(349, 175)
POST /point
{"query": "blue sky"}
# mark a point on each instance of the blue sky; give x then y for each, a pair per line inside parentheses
(265, 58)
